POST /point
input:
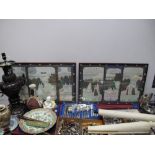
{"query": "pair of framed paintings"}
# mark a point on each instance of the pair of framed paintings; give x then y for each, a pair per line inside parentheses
(98, 82)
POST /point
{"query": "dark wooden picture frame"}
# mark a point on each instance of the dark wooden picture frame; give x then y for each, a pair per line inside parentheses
(111, 82)
(38, 73)
(153, 83)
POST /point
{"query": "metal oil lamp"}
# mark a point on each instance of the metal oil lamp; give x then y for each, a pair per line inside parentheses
(11, 86)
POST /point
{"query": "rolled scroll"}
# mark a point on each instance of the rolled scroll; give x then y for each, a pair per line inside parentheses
(126, 115)
(123, 128)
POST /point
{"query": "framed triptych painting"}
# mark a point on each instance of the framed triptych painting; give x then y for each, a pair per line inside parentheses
(111, 82)
(57, 80)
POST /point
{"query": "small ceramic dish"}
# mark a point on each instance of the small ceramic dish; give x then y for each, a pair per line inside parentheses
(40, 114)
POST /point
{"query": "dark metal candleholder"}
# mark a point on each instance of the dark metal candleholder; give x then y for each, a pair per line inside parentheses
(11, 86)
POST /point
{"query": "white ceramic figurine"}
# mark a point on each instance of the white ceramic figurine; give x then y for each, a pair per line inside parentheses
(49, 103)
